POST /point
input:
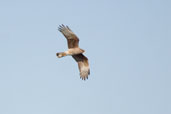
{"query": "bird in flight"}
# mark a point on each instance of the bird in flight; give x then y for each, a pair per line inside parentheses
(74, 51)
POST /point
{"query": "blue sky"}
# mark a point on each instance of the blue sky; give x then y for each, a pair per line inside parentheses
(127, 43)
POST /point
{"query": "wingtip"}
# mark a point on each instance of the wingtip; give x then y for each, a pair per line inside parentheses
(63, 27)
(62, 24)
(84, 78)
(59, 28)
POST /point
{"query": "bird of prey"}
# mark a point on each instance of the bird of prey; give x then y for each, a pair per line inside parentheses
(74, 51)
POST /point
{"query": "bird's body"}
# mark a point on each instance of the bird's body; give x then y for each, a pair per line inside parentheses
(70, 51)
(75, 51)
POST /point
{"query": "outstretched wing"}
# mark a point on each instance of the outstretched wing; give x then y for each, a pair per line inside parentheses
(82, 65)
(72, 39)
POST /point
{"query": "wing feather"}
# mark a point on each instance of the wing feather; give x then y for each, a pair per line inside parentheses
(83, 65)
(72, 39)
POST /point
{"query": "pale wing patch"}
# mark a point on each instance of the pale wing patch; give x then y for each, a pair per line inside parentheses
(83, 65)
(84, 70)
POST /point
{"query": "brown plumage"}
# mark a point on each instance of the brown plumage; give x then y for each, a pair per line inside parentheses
(72, 39)
(75, 51)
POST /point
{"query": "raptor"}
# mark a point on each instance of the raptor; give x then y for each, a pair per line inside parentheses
(74, 51)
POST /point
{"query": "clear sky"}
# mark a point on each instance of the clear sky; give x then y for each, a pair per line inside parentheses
(128, 43)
